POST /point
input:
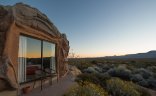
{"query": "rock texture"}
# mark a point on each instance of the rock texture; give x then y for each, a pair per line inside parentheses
(64, 53)
(5, 22)
(74, 71)
(24, 19)
(26, 15)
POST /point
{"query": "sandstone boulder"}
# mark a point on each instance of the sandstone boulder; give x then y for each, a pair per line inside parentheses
(24, 19)
(74, 71)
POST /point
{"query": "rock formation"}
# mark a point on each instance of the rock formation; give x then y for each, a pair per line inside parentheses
(24, 19)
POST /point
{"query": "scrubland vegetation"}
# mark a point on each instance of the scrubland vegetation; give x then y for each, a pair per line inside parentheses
(87, 89)
(127, 77)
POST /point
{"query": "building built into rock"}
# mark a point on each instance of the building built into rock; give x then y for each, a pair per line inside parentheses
(31, 48)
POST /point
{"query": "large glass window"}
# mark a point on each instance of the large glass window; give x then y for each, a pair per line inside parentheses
(34, 57)
(49, 56)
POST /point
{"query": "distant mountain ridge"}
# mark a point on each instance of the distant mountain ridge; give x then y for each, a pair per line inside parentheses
(150, 54)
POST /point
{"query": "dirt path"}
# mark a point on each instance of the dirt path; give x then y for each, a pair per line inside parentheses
(8, 93)
(57, 89)
(152, 92)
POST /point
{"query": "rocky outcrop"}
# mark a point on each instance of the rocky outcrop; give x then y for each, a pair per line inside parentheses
(74, 71)
(5, 69)
(32, 17)
(24, 19)
(6, 20)
(64, 45)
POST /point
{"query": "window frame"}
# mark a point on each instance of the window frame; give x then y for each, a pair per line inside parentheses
(42, 40)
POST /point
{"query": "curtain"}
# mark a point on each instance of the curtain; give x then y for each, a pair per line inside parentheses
(22, 59)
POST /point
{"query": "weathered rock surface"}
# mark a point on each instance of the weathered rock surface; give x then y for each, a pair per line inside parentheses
(5, 22)
(32, 17)
(74, 71)
(24, 19)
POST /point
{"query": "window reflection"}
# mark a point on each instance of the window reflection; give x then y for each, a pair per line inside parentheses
(30, 59)
(49, 56)
(33, 58)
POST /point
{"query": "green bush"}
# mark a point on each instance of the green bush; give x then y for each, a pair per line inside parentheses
(144, 72)
(152, 68)
(87, 89)
(83, 65)
(103, 77)
(99, 79)
(87, 77)
(105, 67)
(90, 70)
(137, 78)
(152, 83)
(143, 83)
(154, 75)
(120, 72)
(118, 87)
(94, 62)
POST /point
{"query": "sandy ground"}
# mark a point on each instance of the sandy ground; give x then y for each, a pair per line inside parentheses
(8, 93)
(57, 89)
(152, 92)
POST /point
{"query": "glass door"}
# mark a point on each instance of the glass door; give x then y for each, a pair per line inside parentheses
(35, 56)
(49, 56)
(29, 58)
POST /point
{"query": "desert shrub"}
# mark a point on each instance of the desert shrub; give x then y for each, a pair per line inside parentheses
(120, 72)
(132, 62)
(137, 78)
(142, 91)
(105, 68)
(90, 70)
(87, 77)
(154, 75)
(152, 83)
(130, 67)
(118, 87)
(94, 62)
(83, 65)
(144, 77)
(87, 89)
(103, 78)
(152, 68)
(145, 73)
(143, 83)
(98, 69)
(93, 69)
(99, 79)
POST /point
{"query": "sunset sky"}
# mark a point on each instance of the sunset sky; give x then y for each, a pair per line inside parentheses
(102, 27)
